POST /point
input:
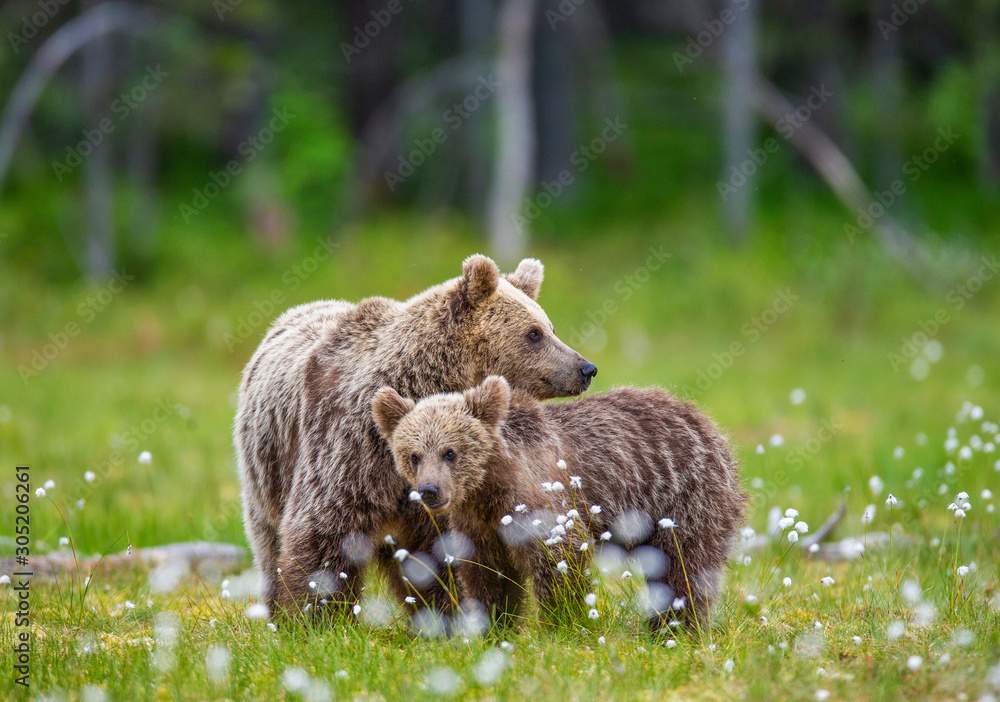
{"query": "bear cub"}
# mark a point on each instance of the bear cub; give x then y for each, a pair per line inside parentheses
(538, 488)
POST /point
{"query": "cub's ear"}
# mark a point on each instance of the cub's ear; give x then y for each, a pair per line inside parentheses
(489, 401)
(481, 278)
(388, 408)
(528, 277)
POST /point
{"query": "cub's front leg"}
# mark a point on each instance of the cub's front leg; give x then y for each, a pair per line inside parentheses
(491, 578)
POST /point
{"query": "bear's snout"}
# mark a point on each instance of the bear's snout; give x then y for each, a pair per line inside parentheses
(587, 372)
(431, 495)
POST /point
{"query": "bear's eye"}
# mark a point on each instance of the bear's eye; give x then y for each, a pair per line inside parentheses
(449, 455)
(414, 459)
(535, 334)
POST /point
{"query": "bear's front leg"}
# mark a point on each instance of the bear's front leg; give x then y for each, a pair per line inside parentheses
(491, 578)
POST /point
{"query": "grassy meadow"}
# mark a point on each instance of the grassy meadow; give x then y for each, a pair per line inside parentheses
(806, 350)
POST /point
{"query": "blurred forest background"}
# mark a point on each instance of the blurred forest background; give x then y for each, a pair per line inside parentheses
(734, 199)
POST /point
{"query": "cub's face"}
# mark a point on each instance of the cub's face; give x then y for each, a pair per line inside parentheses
(515, 337)
(442, 444)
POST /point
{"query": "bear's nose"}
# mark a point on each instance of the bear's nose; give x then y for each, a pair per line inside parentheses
(429, 493)
(587, 371)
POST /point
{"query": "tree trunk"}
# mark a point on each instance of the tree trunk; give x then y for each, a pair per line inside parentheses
(95, 80)
(515, 130)
(739, 54)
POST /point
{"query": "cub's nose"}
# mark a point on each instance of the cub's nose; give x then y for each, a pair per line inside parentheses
(587, 371)
(429, 493)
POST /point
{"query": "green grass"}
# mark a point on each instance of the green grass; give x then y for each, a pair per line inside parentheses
(166, 338)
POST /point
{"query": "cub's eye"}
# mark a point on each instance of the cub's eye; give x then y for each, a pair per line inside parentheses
(449, 455)
(414, 459)
(535, 334)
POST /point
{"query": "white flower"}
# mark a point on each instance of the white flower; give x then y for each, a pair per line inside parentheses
(341, 675)
(729, 665)
(64, 541)
(891, 499)
(89, 476)
(573, 514)
(129, 604)
(785, 522)
(506, 645)
(410, 600)
(626, 574)
(966, 506)
(787, 582)
(145, 458)
(777, 440)
(952, 507)
(559, 529)
(898, 452)
(357, 609)
(869, 514)
(225, 594)
(791, 512)
(666, 523)
(986, 495)
(965, 453)
(546, 487)
(449, 559)
(557, 487)
(415, 496)
(828, 581)
(561, 464)
(561, 519)
(590, 599)
(856, 639)
(797, 396)
(40, 492)
(595, 509)
(521, 508)
(575, 482)
(584, 546)
(963, 571)
(606, 536)
(960, 514)
(593, 614)
(822, 694)
(258, 610)
(751, 599)
(793, 536)
(562, 567)
(962, 496)
(914, 662)
(763, 619)
(506, 519)
(817, 624)
(678, 603)
(401, 555)
(273, 627)
(343, 575)
(802, 527)
(760, 451)
(876, 485)
(389, 540)
(600, 640)
(4, 580)
(312, 584)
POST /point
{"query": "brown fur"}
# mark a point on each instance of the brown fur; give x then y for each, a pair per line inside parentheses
(313, 467)
(634, 449)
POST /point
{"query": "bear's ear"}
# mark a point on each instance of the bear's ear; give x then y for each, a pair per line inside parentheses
(489, 401)
(528, 277)
(388, 408)
(481, 278)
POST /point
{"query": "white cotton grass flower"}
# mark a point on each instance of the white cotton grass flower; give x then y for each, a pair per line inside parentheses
(64, 541)
(401, 554)
(828, 581)
(776, 440)
(791, 512)
(760, 449)
(626, 574)
(898, 452)
(506, 520)
(389, 540)
(146, 458)
(802, 527)
(572, 514)
(521, 508)
(356, 609)
(561, 464)
(594, 614)
(869, 514)
(751, 599)
(89, 476)
(797, 396)
(856, 639)
(822, 694)
(546, 487)
(965, 453)
(986, 495)
(595, 509)
(786, 581)
(785, 522)
(575, 481)
(415, 496)
(670, 643)
(40, 492)
(257, 610)
(129, 604)
(960, 514)
(876, 485)
(558, 487)
(4, 579)
(891, 500)
(606, 536)
(963, 570)
(914, 662)
(666, 523)
(729, 666)
(678, 603)
(561, 519)
(410, 599)
(341, 675)
(562, 567)
(590, 599)
(793, 536)
(585, 546)
(601, 640)
(295, 680)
